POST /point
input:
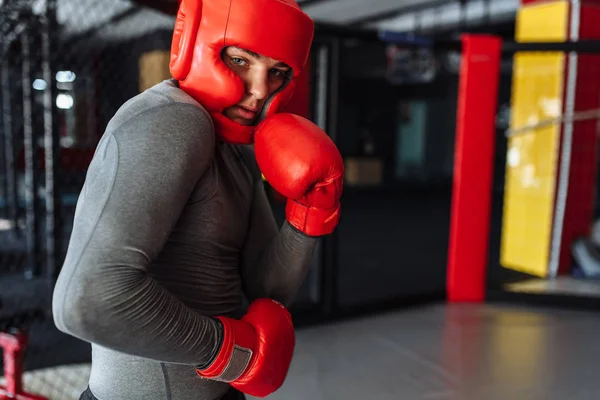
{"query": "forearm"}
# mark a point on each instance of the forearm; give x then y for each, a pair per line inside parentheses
(125, 310)
(282, 266)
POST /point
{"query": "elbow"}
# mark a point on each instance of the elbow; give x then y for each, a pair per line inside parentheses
(287, 301)
(285, 297)
(70, 317)
(76, 314)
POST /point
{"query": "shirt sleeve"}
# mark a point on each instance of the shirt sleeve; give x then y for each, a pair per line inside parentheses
(275, 260)
(137, 184)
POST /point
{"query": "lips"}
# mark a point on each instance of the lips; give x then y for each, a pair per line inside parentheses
(249, 108)
(246, 113)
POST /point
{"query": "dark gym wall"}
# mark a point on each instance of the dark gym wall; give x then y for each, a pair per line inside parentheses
(393, 238)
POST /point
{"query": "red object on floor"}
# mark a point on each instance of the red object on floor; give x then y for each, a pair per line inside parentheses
(13, 346)
(473, 168)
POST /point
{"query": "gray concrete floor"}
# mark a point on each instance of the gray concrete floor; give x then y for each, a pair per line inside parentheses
(457, 352)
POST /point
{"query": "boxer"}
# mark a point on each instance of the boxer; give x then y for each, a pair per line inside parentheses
(173, 227)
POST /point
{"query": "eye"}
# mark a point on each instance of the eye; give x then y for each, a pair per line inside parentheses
(237, 61)
(278, 72)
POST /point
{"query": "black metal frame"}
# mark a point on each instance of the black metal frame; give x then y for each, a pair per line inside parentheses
(12, 211)
(32, 172)
(32, 29)
(51, 144)
(328, 116)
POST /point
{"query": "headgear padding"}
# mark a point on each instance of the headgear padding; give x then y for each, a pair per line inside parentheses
(274, 28)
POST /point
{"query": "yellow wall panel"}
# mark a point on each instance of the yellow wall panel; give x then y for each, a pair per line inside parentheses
(547, 22)
(532, 159)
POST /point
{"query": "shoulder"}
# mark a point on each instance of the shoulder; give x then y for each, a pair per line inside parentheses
(163, 114)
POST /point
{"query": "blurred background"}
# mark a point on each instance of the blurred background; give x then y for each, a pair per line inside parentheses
(385, 83)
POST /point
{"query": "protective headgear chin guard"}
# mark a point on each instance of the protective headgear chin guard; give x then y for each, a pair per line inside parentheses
(275, 28)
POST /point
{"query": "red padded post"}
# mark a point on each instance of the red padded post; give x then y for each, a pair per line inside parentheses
(473, 168)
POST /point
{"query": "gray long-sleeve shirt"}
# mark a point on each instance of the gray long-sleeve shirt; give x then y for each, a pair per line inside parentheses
(172, 227)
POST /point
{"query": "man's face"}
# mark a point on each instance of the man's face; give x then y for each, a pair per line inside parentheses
(262, 76)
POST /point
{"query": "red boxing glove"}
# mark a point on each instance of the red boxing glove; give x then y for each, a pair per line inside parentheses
(257, 350)
(302, 163)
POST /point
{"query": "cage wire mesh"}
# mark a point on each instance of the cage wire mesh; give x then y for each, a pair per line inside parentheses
(66, 66)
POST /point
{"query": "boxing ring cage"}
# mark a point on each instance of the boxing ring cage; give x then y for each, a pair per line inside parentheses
(469, 260)
(476, 176)
(475, 144)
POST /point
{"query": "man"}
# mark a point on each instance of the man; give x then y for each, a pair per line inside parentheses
(173, 227)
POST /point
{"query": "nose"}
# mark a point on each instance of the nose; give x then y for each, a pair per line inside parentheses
(258, 84)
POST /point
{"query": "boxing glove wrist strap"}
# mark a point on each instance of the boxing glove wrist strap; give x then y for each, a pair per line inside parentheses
(312, 221)
(235, 355)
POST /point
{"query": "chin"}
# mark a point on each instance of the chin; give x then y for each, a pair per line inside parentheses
(241, 121)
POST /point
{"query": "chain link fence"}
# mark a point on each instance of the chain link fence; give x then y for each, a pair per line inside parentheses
(66, 66)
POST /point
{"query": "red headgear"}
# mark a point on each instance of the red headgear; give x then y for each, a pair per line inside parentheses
(274, 28)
